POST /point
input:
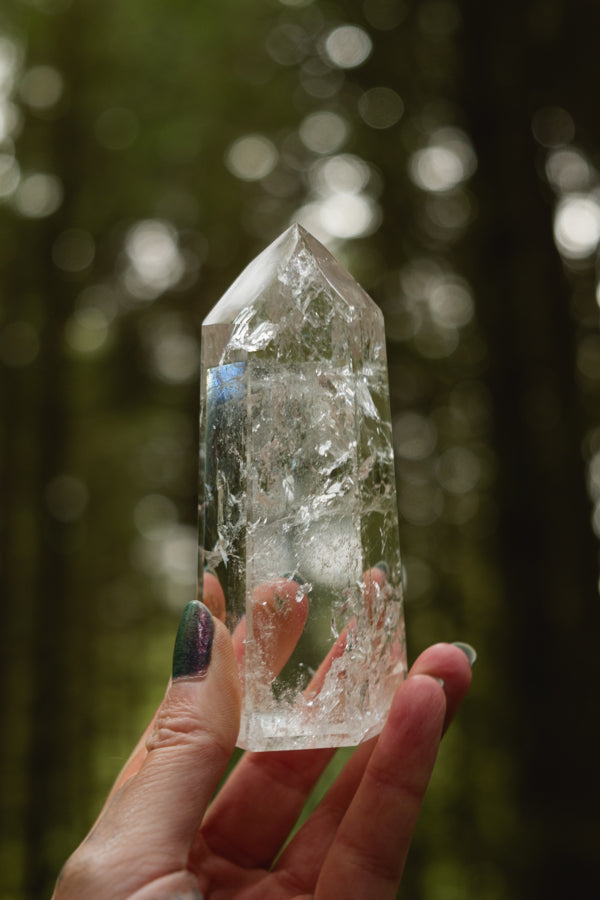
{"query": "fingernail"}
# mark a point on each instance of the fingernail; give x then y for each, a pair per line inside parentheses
(295, 576)
(384, 567)
(440, 681)
(208, 570)
(469, 651)
(193, 644)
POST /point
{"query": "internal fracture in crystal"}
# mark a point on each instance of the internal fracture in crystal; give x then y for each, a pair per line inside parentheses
(298, 514)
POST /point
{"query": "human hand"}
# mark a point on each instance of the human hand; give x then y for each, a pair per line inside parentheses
(159, 837)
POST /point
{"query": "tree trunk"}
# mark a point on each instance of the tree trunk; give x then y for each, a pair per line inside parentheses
(513, 62)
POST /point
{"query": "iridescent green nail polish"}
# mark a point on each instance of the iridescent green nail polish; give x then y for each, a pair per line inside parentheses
(193, 644)
(469, 651)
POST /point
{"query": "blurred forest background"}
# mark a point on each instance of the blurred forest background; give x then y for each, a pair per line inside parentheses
(449, 154)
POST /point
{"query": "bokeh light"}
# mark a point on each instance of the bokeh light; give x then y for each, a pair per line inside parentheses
(323, 131)
(174, 353)
(87, 330)
(448, 160)
(568, 170)
(577, 226)
(66, 497)
(138, 157)
(154, 261)
(9, 174)
(380, 107)
(344, 172)
(319, 79)
(287, 44)
(154, 514)
(41, 87)
(38, 195)
(10, 120)
(10, 60)
(348, 46)
(553, 126)
(251, 157)
(349, 215)
(451, 302)
(165, 550)
(415, 436)
(458, 470)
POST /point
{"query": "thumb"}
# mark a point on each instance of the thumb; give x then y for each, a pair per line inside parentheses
(147, 828)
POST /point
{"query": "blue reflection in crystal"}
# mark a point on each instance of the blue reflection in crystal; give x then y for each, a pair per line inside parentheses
(226, 383)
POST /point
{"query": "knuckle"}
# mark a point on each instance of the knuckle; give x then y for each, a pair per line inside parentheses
(179, 726)
(409, 794)
(371, 860)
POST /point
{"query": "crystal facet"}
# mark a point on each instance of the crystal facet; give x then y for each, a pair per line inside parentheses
(298, 515)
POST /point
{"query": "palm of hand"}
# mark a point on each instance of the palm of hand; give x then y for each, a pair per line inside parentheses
(160, 837)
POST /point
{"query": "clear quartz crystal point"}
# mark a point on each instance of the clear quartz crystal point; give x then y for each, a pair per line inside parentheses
(298, 515)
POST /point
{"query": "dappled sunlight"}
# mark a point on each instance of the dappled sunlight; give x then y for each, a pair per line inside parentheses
(10, 120)
(320, 79)
(380, 107)
(168, 553)
(344, 173)
(67, 497)
(428, 304)
(446, 161)
(87, 331)
(553, 126)
(323, 131)
(348, 46)
(154, 261)
(251, 157)
(340, 215)
(144, 160)
(415, 436)
(287, 44)
(41, 87)
(173, 351)
(568, 170)
(575, 181)
(10, 61)
(577, 226)
(576, 184)
(10, 174)
(38, 195)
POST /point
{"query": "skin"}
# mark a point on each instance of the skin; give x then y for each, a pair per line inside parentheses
(163, 835)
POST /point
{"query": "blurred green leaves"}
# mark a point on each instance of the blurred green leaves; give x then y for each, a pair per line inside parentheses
(449, 157)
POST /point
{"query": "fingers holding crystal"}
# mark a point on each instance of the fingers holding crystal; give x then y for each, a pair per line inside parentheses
(279, 610)
(374, 592)
(212, 595)
(376, 589)
(279, 613)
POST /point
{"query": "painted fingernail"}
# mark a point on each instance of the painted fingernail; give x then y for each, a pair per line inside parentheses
(208, 570)
(193, 644)
(469, 651)
(384, 567)
(295, 576)
(440, 681)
